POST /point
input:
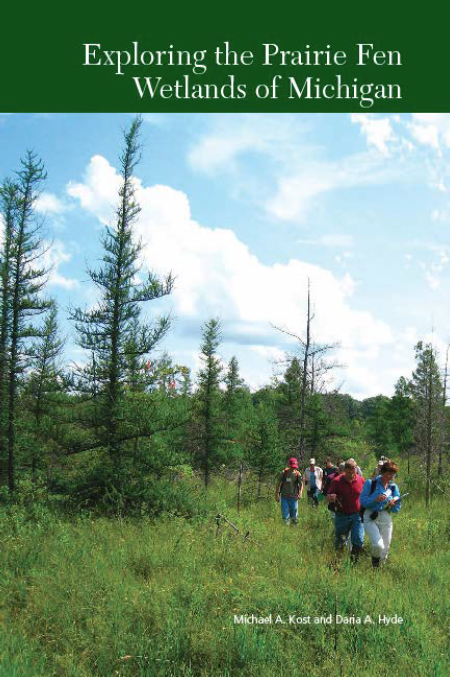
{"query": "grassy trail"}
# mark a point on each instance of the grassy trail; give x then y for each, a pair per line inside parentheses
(113, 597)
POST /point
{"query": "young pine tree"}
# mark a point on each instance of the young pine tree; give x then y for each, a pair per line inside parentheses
(9, 202)
(378, 426)
(238, 411)
(401, 417)
(289, 406)
(208, 399)
(427, 394)
(109, 331)
(23, 281)
(266, 454)
(45, 382)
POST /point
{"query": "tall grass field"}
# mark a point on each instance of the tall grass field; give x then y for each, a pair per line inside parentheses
(113, 597)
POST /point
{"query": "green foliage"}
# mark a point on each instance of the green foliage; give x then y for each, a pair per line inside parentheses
(112, 332)
(210, 424)
(426, 388)
(97, 597)
(23, 280)
(379, 426)
(401, 415)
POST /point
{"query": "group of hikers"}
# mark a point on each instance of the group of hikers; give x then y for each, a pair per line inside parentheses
(358, 505)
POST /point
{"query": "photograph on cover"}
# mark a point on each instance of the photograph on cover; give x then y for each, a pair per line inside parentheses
(224, 422)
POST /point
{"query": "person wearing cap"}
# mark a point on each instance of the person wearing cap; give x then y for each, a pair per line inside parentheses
(313, 480)
(344, 493)
(379, 499)
(289, 489)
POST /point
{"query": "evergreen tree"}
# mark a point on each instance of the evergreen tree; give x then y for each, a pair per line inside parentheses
(378, 426)
(112, 331)
(289, 406)
(266, 452)
(45, 382)
(208, 397)
(319, 427)
(401, 417)
(9, 202)
(427, 393)
(22, 295)
(238, 411)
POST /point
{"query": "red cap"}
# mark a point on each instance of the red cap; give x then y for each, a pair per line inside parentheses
(293, 463)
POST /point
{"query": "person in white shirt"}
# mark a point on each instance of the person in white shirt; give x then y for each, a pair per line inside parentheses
(312, 479)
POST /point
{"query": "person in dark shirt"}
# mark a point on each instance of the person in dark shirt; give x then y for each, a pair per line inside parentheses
(331, 477)
(344, 492)
(289, 489)
(328, 472)
(329, 468)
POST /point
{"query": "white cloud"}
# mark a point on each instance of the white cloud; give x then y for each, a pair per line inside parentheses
(378, 131)
(54, 256)
(298, 171)
(231, 136)
(98, 193)
(295, 195)
(431, 129)
(217, 275)
(48, 203)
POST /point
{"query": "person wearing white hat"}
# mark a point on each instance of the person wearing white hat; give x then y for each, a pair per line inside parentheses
(313, 478)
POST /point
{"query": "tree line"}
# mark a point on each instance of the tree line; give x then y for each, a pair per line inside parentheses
(124, 423)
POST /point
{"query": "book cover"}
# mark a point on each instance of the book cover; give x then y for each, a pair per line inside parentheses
(224, 275)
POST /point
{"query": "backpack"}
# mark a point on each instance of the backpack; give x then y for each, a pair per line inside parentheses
(374, 514)
(298, 480)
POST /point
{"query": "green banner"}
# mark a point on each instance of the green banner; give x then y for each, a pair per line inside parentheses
(225, 57)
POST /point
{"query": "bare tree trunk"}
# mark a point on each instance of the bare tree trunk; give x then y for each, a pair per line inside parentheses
(239, 494)
(305, 378)
(429, 437)
(258, 496)
(444, 402)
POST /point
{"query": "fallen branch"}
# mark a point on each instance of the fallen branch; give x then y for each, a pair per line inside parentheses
(245, 537)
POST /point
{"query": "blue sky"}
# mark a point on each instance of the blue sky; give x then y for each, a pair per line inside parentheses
(243, 209)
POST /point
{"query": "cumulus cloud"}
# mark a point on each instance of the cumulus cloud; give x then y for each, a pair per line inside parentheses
(217, 275)
(98, 192)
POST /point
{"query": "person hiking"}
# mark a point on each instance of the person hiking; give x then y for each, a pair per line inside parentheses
(344, 492)
(329, 470)
(379, 499)
(332, 476)
(313, 479)
(358, 469)
(289, 489)
(377, 469)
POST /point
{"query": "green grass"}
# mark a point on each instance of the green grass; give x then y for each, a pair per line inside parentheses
(114, 597)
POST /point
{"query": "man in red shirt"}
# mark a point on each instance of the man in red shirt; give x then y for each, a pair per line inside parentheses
(344, 493)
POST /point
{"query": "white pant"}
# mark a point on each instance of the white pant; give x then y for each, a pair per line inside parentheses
(379, 532)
